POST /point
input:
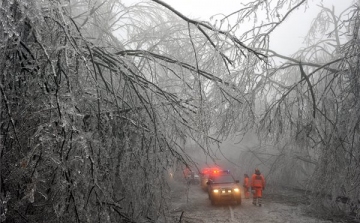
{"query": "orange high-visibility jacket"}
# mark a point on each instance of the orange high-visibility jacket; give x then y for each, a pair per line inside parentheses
(257, 181)
(246, 182)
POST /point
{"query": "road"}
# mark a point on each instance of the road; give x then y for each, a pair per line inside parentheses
(192, 205)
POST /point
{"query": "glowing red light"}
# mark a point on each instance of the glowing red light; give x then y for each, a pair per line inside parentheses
(205, 171)
(213, 171)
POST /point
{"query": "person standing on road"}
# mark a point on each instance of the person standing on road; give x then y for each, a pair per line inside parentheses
(246, 186)
(258, 185)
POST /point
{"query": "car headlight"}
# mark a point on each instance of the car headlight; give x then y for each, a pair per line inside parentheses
(236, 190)
(216, 191)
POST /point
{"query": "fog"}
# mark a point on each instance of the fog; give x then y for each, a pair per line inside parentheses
(103, 102)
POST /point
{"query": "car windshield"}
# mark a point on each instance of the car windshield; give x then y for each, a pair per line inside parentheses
(223, 179)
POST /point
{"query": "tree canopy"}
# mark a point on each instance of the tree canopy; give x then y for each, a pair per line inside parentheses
(99, 99)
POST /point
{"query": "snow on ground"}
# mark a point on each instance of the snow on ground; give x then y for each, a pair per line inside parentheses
(193, 205)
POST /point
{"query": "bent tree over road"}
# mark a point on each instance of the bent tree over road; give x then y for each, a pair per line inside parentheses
(102, 100)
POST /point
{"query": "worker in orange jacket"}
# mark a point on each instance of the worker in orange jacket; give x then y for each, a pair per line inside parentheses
(246, 186)
(257, 185)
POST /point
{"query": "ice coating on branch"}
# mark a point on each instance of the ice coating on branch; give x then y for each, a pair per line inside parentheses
(14, 14)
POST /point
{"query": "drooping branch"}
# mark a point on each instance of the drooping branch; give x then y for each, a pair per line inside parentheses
(226, 34)
(275, 54)
(147, 54)
(310, 87)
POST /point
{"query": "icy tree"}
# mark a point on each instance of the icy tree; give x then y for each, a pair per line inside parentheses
(97, 101)
(307, 106)
(99, 98)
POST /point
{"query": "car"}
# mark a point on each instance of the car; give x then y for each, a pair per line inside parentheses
(224, 188)
(205, 174)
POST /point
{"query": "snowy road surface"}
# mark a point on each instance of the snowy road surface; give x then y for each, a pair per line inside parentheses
(193, 206)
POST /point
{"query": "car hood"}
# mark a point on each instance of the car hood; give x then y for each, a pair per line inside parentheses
(225, 185)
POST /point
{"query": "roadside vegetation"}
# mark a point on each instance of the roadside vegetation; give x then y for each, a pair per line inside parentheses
(99, 100)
